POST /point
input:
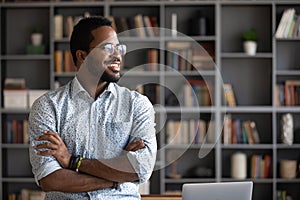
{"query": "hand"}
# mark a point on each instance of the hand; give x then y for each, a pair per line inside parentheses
(55, 147)
(135, 145)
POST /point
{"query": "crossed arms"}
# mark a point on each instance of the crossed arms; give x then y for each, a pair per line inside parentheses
(94, 174)
(50, 158)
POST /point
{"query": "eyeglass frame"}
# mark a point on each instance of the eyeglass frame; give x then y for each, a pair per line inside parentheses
(115, 47)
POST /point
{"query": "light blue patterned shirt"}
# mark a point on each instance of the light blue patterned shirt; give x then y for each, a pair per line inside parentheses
(95, 129)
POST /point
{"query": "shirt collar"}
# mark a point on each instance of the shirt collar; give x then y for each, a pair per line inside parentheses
(77, 88)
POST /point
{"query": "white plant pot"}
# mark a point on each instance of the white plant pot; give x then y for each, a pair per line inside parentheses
(250, 47)
(36, 39)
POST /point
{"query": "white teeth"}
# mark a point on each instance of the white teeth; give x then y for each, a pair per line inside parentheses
(114, 66)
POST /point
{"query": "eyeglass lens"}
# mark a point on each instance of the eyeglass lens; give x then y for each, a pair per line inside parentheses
(121, 48)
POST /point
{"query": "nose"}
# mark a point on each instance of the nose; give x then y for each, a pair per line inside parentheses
(116, 53)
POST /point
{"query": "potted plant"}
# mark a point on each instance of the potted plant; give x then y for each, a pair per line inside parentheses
(36, 36)
(249, 38)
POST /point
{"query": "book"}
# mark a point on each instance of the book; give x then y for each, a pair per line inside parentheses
(201, 131)
(68, 26)
(169, 131)
(282, 24)
(193, 131)
(211, 132)
(155, 25)
(238, 131)
(28, 194)
(148, 26)
(58, 26)
(227, 129)
(25, 132)
(267, 166)
(254, 132)
(139, 24)
(14, 83)
(229, 95)
(174, 24)
(249, 132)
(152, 55)
(289, 22)
(297, 27)
(58, 60)
(201, 94)
(188, 98)
(68, 62)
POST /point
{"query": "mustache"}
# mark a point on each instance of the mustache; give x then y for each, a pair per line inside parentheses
(113, 59)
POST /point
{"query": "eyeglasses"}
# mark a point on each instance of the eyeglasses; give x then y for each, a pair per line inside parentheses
(110, 48)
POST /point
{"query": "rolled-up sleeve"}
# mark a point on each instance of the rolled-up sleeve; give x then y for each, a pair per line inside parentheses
(143, 160)
(41, 119)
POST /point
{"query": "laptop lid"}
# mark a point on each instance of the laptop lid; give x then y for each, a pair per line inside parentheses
(218, 191)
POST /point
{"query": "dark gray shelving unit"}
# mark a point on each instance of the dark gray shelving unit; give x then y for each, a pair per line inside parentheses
(252, 77)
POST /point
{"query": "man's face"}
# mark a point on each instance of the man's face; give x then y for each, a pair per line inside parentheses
(104, 60)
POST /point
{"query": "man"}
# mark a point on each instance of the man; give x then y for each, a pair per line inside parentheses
(92, 139)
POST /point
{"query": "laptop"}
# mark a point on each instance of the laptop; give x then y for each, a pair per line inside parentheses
(218, 191)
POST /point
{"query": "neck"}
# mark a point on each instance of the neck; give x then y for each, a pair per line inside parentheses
(100, 88)
(91, 84)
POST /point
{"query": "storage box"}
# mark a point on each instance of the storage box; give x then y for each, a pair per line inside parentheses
(14, 98)
(33, 95)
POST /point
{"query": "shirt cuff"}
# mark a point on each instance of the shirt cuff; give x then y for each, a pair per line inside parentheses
(45, 171)
(142, 164)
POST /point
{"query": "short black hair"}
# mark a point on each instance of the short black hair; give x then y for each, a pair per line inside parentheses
(82, 33)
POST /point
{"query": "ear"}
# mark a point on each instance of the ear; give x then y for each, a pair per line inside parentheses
(80, 55)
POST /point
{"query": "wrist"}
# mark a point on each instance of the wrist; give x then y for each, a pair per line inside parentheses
(115, 185)
(75, 162)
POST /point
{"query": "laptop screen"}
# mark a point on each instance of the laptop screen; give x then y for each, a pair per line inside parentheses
(218, 191)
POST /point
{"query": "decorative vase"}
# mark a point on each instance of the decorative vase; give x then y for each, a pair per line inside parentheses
(250, 47)
(239, 165)
(36, 39)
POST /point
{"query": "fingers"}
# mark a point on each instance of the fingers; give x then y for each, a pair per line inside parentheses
(50, 136)
(52, 144)
(46, 153)
(135, 145)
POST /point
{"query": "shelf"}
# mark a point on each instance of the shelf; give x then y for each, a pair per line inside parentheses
(15, 146)
(281, 180)
(246, 146)
(189, 146)
(285, 146)
(15, 110)
(65, 74)
(189, 109)
(253, 79)
(248, 109)
(243, 55)
(139, 39)
(18, 180)
(288, 72)
(257, 180)
(62, 40)
(191, 73)
(190, 180)
(190, 38)
(25, 4)
(134, 73)
(292, 109)
(288, 39)
(26, 57)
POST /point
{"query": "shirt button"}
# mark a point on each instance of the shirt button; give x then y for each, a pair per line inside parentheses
(92, 148)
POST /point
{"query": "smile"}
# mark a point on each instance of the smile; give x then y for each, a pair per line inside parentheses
(114, 67)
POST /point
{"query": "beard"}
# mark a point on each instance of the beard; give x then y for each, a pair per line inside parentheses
(104, 73)
(107, 77)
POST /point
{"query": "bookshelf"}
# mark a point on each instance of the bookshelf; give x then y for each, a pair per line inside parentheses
(253, 79)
